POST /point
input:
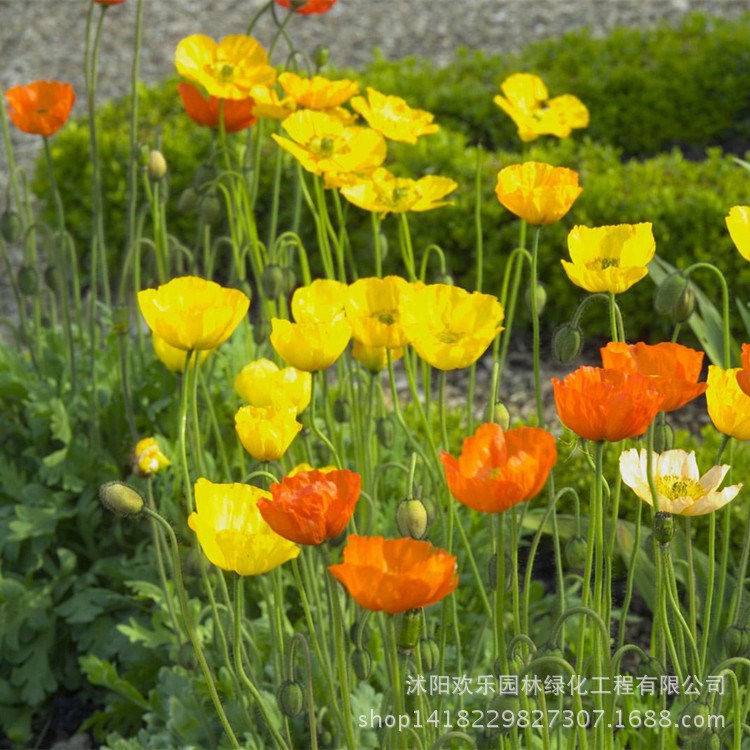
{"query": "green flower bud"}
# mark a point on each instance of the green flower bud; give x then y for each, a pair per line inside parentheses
(120, 319)
(500, 704)
(188, 201)
(429, 653)
(28, 280)
(261, 331)
(361, 663)
(430, 508)
(411, 518)
(443, 278)
(290, 279)
(663, 527)
(11, 226)
(736, 640)
(567, 342)
(320, 55)
(709, 741)
(545, 668)
(501, 415)
(663, 437)
(203, 177)
(272, 281)
(385, 431)
(156, 166)
(290, 698)
(651, 667)
(541, 298)
(342, 412)
(693, 720)
(50, 278)
(407, 630)
(121, 499)
(675, 297)
(210, 209)
(575, 552)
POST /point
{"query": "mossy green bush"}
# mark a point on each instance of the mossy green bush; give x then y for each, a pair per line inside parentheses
(644, 93)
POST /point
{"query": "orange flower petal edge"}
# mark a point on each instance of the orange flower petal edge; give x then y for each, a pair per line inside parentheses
(312, 506)
(497, 470)
(394, 575)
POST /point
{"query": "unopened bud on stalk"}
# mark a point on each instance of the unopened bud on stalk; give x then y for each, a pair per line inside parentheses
(501, 415)
(663, 527)
(429, 653)
(261, 331)
(156, 166)
(272, 281)
(541, 298)
(10, 226)
(120, 319)
(736, 640)
(693, 720)
(290, 698)
(290, 279)
(567, 342)
(444, 278)
(385, 431)
(50, 278)
(210, 209)
(188, 201)
(320, 55)
(650, 667)
(411, 518)
(675, 297)
(408, 629)
(121, 499)
(28, 280)
(575, 552)
(663, 438)
(341, 411)
(361, 663)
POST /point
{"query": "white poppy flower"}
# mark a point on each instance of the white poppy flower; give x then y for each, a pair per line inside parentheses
(680, 487)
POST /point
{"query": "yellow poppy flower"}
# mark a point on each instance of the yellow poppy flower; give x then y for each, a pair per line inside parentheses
(373, 309)
(232, 532)
(266, 431)
(738, 224)
(374, 358)
(191, 313)
(262, 383)
(319, 301)
(728, 405)
(304, 466)
(148, 458)
(309, 345)
(537, 192)
(449, 327)
(228, 69)
(393, 117)
(526, 101)
(323, 144)
(174, 359)
(611, 258)
(317, 92)
(679, 486)
(383, 192)
(268, 105)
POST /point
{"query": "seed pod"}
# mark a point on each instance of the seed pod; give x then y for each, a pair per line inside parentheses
(11, 226)
(361, 663)
(385, 431)
(121, 499)
(28, 280)
(575, 552)
(272, 281)
(567, 342)
(407, 630)
(663, 527)
(290, 698)
(411, 518)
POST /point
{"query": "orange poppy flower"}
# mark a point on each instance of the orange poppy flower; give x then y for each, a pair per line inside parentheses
(497, 469)
(743, 375)
(108, 2)
(42, 107)
(312, 6)
(238, 113)
(674, 369)
(312, 506)
(601, 404)
(394, 575)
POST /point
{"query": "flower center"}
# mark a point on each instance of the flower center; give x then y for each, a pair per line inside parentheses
(386, 317)
(326, 146)
(448, 337)
(226, 72)
(674, 487)
(600, 264)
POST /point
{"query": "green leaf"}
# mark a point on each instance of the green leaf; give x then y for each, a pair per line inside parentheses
(86, 605)
(32, 522)
(35, 676)
(101, 672)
